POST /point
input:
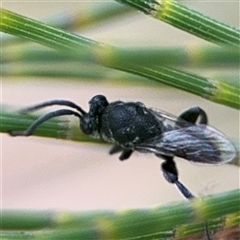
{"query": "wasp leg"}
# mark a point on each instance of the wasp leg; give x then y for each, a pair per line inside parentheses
(126, 152)
(170, 173)
(115, 149)
(191, 115)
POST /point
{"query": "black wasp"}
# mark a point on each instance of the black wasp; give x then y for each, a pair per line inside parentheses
(131, 126)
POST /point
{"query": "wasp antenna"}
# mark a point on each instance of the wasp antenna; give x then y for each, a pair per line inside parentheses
(43, 119)
(54, 102)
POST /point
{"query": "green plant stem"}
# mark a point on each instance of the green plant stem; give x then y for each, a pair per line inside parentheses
(79, 20)
(59, 71)
(177, 15)
(157, 222)
(202, 86)
(201, 56)
(46, 35)
(107, 56)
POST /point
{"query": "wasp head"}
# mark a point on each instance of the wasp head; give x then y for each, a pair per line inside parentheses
(90, 122)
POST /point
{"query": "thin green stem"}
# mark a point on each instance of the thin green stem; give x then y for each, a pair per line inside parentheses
(79, 20)
(42, 33)
(201, 86)
(60, 127)
(104, 55)
(195, 23)
(200, 56)
(158, 222)
(191, 21)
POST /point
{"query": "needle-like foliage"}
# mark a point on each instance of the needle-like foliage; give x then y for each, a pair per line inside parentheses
(162, 65)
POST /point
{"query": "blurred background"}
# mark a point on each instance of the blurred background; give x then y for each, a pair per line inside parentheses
(40, 173)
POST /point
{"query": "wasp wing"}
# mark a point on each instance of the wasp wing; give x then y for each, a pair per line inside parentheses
(197, 143)
(169, 121)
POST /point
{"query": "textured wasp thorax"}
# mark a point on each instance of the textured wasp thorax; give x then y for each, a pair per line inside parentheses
(128, 123)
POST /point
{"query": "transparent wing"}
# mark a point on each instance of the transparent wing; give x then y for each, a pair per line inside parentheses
(197, 143)
(169, 121)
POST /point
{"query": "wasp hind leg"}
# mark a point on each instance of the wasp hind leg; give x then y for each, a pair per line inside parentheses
(170, 173)
(192, 114)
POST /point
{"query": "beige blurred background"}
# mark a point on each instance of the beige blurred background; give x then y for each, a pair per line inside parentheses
(53, 174)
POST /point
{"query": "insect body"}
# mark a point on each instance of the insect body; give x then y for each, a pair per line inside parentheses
(131, 126)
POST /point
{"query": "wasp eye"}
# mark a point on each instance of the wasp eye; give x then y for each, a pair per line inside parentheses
(97, 104)
(99, 100)
(87, 124)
